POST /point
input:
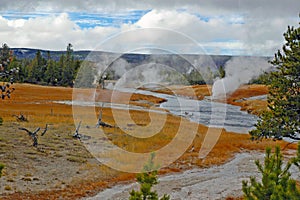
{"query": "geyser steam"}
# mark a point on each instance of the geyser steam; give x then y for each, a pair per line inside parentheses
(239, 70)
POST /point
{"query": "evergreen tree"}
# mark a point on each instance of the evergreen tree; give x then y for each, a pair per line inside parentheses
(76, 67)
(24, 70)
(283, 117)
(60, 65)
(14, 65)
(68, 68)
(37, 68)
(51, 73)
(195, 78)
(4, 56)
(147, 180)
(222, 72)
(276, 181)
(85, 76)
(8, 71)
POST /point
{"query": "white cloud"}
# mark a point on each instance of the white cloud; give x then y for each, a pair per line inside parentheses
(237, 27)
(210, 33)
(51, 32)
(189, 24)
(258, 8)
(166, 18)
(242, 35)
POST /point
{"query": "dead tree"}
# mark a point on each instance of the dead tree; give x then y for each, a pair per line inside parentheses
(45, 130)
(76, 134)
(21, 118)
(100, 122)
(34, 134)
(6, 88)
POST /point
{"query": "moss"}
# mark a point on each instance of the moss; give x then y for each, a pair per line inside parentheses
(1, 168)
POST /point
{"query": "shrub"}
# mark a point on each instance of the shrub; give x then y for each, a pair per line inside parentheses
(146, 181)
(276, 181)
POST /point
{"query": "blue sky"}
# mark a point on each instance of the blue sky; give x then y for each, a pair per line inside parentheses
(84, 19)
(106, 19)
(91, 20)
(218, 27)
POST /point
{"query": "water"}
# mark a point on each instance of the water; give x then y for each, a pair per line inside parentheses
(107, 105)
(197, 183)
(207, 112)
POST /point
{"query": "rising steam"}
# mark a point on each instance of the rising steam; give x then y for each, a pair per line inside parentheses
(239, 70)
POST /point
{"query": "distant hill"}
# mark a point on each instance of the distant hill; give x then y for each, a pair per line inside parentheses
(26, 53)
(133, 59)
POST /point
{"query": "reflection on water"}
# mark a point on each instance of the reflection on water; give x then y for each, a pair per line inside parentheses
(207, 112)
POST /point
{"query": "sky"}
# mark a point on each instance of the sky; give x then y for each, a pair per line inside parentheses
(219, 27)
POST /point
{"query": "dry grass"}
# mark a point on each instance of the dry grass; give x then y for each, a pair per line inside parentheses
(194, 91)
(58, 148)
(245, 91)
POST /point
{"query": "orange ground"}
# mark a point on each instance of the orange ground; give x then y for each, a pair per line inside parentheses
(195, 91)
(244, 91)
(25, 100)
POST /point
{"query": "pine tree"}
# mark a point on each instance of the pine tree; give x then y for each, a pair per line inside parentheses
(68, 67)
(51, 73)
(85, 76)
(147, 180)
(276, 183)
(283, 117)
(4, 55)
(24, 70)
(222, 72)
(37, 68)
(60, 65)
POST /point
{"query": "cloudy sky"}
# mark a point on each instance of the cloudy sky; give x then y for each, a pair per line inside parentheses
(232, 27)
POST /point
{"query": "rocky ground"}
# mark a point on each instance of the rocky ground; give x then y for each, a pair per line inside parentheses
(216, 182)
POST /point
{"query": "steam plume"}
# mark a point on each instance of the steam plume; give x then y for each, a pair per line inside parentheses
(239, 70)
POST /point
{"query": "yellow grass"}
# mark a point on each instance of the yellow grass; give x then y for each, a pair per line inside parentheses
(195, 91)
(244, 91)
(35, 102)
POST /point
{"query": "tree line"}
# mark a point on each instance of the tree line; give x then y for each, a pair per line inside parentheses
(41, 70)
(45, 70)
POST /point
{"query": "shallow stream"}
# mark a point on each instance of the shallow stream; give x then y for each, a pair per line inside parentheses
(207, 111)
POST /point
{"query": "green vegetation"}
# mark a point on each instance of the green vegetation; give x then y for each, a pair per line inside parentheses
(276, 180)
(4, 56)
(264, 78)
(222, 72)
(147, 180)
(281, 120)
(40, 70)
(283, 116)
(85, 76)
(1, 168)
(62, 69)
